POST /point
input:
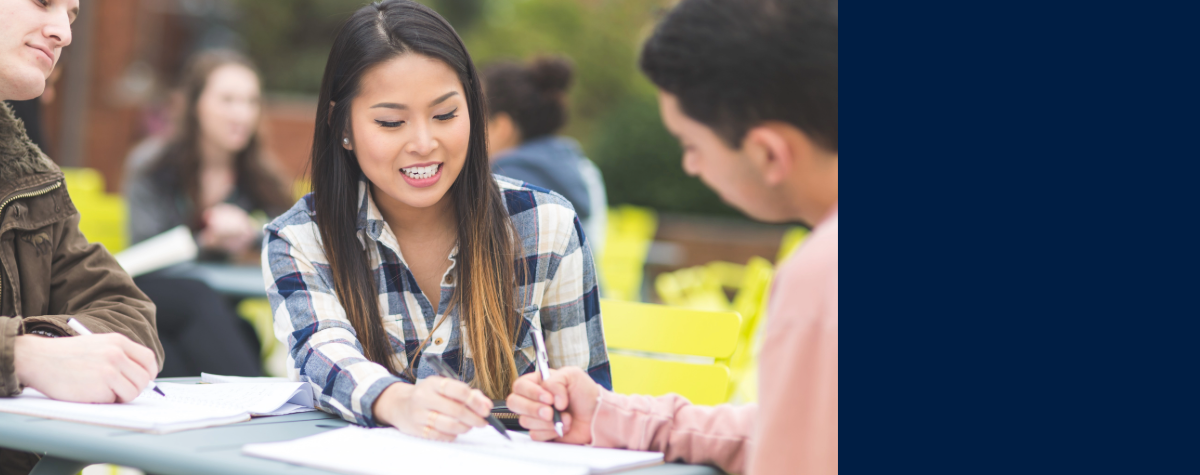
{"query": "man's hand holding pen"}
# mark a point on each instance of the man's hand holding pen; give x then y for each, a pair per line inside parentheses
(568, 389)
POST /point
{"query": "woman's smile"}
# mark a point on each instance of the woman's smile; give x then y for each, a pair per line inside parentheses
(422, 175)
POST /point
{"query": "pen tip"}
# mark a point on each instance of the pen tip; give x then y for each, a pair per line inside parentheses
(159, 391)
(558, 428)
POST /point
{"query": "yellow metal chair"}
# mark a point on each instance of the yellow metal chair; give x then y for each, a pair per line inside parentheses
(791, 240)
(103, 217)
(656, 349)
(630, 231)
(697, 288)
(751, 303)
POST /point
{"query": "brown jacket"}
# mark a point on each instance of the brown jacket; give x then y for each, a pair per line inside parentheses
(48, 271)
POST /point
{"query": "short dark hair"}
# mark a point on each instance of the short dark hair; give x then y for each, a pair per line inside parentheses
(734, 64)
(534, 95)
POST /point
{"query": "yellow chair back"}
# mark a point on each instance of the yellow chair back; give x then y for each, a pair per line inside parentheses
(791, 240)
(656, 349)
(751, 303)
(628, 236)
(103, 217)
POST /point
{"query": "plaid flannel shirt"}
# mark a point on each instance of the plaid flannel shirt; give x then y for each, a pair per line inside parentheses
(560, 286)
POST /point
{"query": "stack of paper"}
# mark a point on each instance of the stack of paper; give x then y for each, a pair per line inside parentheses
(264, 393)
(387, 451)
(148, 413)
(185, 406)
(257, 399)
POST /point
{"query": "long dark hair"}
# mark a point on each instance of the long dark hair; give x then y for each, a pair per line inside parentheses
(484, 294)
(178, 165)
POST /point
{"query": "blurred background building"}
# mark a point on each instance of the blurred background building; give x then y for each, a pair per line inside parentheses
(115, 90)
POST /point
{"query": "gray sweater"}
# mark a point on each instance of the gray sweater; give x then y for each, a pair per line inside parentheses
(551, 162)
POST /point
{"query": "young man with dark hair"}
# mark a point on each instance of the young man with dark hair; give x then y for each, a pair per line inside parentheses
(750, 89)
(48, 271)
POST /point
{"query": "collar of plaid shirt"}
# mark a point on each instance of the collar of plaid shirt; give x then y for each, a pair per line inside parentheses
(371, 225)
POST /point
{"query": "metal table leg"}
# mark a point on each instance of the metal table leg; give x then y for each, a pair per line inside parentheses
(51, 465)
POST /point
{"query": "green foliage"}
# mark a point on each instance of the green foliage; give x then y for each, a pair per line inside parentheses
(641, 162)
(613, 110)
(290, 39)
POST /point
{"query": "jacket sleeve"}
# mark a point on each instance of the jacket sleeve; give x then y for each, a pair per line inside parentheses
(717, 435)
(323, 348)
(88, 284)
(10, 327)
(570, 307)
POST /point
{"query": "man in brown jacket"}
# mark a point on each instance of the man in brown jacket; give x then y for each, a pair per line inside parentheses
(48, 271)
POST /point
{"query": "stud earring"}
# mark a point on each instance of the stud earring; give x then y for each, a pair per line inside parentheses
(345, 141)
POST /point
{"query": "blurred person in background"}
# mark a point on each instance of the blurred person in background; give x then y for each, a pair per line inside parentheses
(212, 176)
(527, 103)
(750, 89)
(49, 273)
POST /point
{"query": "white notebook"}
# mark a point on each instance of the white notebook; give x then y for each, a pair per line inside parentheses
(185, 406)
(148, 413)
(266, 392)
(357, 450)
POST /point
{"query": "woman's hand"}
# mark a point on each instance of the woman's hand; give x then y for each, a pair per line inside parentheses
(571, 390)
(228, 228)
(435, 408)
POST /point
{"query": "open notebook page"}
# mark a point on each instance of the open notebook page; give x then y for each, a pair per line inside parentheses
(149, 412)
(255, 398)
(220, 378)
(482, 450)
(388, 452)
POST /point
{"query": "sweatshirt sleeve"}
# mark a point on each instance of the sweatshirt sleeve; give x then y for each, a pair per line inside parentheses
(717, 435)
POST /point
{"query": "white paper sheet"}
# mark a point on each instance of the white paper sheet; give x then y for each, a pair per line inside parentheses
(172, 247)
(387, 451)
(258, 399)
(149, 412)
(304, 394)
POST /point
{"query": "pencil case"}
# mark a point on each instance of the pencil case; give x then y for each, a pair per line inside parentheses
(508, 418)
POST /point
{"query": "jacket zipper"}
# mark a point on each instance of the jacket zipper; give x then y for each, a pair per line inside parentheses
(3, 205)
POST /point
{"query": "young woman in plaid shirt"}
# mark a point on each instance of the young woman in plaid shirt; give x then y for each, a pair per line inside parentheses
(409, 247)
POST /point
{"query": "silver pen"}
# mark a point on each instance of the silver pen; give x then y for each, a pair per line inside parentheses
(544, 369)
(82, 330)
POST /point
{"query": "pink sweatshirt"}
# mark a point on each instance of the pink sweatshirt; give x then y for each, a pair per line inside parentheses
(797, 432)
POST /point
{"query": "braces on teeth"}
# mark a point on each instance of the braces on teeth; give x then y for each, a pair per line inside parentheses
(420, 172)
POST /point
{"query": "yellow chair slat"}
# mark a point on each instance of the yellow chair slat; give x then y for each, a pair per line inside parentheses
(103, 217)
(628, 236)
(791, 240)
(662, 329)
(258, 313)
(751, 303)
(699, 383)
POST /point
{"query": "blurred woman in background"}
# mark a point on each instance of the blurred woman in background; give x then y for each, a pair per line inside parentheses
(527, 104)
(213, 174)
(213, 177)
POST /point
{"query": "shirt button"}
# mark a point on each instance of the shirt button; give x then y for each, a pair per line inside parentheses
(437, 341)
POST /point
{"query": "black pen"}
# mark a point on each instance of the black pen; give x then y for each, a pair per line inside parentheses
(82, 330)
(544, 369)
(444, 370)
